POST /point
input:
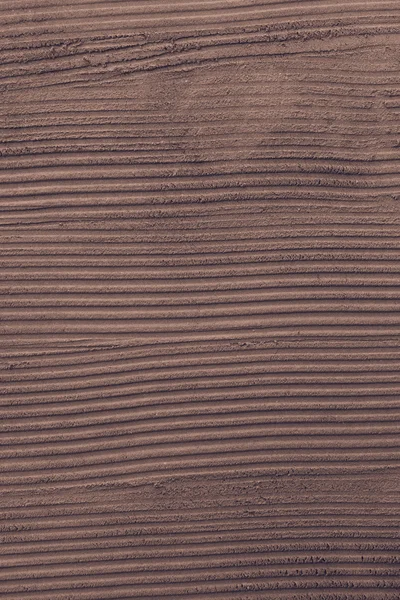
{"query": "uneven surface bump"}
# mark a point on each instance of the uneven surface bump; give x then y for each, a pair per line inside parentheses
(199, 299)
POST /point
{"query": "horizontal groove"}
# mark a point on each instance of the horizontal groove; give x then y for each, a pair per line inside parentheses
(199, 280)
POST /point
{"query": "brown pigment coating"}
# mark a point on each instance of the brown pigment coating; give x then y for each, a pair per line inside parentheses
(199, 299)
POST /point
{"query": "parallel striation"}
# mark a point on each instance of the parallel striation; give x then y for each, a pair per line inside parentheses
(199, 300)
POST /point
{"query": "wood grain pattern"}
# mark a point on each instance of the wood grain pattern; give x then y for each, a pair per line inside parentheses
(199, 299)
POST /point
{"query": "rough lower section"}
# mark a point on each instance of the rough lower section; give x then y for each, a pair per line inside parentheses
(199, 300)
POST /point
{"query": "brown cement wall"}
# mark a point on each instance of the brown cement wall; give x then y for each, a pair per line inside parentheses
(199, 300)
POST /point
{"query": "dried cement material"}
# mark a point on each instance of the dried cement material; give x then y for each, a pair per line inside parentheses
(200, 308)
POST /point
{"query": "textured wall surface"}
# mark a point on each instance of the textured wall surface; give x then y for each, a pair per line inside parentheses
(199, 299)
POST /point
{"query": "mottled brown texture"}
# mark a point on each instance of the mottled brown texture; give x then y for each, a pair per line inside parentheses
(199, 300)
